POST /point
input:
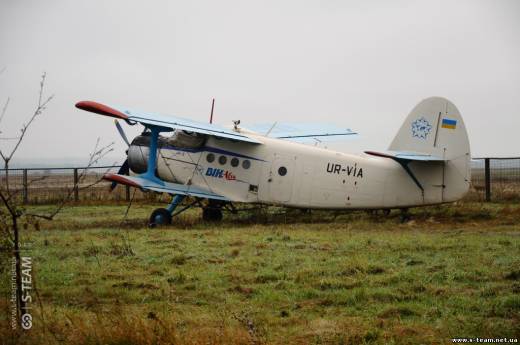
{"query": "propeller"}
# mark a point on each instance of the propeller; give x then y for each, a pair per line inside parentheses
(121, 132)
(125, 168)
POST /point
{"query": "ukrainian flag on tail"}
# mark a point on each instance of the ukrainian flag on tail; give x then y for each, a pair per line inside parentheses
(449, 123)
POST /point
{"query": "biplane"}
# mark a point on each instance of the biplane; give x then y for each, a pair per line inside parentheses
(427, 163)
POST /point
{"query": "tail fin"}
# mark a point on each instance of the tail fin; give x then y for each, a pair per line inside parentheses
(435, 127)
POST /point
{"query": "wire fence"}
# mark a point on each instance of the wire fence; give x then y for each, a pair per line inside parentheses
(49, 185)
(493, 179)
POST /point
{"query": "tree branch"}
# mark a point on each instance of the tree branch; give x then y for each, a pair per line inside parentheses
(95, 157)
(39, 109)
(37, 179)
(4, 109)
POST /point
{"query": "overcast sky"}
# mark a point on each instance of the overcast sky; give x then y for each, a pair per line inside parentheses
(360, 64)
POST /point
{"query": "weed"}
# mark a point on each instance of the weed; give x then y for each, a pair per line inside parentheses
(179, 278)
(513, 275)
(179, 259)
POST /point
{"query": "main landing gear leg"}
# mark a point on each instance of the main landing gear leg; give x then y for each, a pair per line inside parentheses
(163, 216)
(212, 212)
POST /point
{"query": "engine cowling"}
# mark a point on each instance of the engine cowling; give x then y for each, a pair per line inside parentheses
(138, 154)
(139, 149)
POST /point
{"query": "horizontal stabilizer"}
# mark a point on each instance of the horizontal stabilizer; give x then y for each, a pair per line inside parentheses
(172, 122)
(163, 187)
(407, 156)
(404, 158)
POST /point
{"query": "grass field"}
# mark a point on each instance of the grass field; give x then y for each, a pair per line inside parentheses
(277, 278)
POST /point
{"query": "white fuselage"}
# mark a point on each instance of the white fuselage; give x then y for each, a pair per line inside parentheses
(297, 175)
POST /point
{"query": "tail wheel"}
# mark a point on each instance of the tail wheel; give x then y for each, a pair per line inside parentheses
(160, 216)
(210, 214)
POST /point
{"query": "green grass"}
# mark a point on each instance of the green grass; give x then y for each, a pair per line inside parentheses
(319, 278)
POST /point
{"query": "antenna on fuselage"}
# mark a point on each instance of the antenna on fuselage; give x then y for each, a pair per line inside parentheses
(212, 107)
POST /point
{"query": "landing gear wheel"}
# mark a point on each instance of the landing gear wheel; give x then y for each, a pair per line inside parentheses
(210, 214)
(405, 216)
(159, 217)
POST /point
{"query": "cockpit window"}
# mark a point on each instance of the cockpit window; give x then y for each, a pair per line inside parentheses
(181, 138)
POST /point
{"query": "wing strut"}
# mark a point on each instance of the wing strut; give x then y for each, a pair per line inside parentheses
(403, 162)
(152, 158)
(406, 168)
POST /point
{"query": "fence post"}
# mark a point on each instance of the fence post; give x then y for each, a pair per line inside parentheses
(127, 192)
(25, 187)
(76, 187)
(487, 175)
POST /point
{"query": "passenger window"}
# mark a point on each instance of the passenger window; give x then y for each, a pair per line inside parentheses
(246, 164)
(234, 162)
(210, 157)
(222, 160)
(282, 171)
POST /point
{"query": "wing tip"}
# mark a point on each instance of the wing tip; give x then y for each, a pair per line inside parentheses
(120, 179)
(101, 109)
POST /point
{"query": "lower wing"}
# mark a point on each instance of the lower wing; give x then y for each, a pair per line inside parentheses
(164, 187)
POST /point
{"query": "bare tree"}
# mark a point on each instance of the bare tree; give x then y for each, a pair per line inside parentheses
(42, 104)
(12, 214)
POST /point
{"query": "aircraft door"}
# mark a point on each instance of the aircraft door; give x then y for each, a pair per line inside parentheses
(281, 179)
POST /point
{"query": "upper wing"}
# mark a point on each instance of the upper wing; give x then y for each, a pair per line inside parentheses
(173, 122)
(302, 131)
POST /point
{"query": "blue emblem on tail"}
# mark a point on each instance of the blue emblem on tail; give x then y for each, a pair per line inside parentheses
(421, 128)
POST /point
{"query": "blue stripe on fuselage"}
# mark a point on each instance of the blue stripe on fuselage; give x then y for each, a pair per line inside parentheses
(210, 149)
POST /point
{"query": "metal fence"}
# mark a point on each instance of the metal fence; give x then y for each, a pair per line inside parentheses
(493, 179)
(48, 185)
(496, 178)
